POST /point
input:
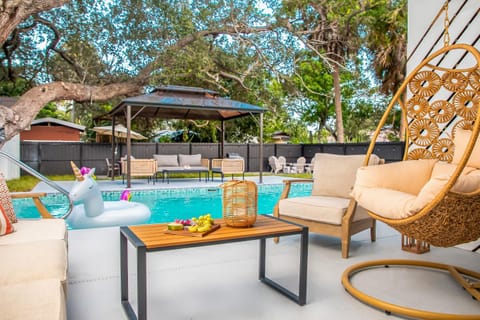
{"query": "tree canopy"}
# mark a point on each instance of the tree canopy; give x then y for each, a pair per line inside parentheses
(293, 57)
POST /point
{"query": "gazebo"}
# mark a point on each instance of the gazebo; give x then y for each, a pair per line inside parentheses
(179, 102)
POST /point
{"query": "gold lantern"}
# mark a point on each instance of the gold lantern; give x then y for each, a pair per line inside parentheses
(239, 203)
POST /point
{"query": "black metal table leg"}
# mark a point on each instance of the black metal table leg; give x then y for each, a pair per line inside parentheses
(141, 275)
(302, 286)
(124, 277)
(142, 282)
(301, 298)
(261, 273)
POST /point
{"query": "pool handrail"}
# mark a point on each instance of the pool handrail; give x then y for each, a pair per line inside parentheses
(41, 177)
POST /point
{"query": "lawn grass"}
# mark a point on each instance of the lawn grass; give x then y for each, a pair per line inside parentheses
(27, 183)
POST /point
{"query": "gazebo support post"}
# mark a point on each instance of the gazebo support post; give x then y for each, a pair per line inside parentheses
(222, 146)
(113, 149)
(261, 150)
(129, 145)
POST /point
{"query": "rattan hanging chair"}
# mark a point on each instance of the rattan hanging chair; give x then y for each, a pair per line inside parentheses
(439, 101)
(441, 105)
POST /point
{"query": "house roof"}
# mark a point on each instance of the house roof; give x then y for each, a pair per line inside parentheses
(57, 122)
(179, 102)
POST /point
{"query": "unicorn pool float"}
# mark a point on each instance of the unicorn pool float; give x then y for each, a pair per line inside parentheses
(93, 212)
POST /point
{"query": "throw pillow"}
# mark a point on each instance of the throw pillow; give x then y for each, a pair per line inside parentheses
(6, 200)
(6, 226)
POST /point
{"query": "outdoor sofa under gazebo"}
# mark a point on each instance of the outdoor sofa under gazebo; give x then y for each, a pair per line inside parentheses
(178, 102)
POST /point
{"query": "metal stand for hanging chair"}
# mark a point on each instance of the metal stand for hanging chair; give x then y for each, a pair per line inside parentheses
(470, 281)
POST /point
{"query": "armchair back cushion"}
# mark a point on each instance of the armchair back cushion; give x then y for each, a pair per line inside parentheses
(168, 160)
(334, 175)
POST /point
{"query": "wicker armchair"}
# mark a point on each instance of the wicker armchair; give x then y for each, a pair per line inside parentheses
(228, 166)
(329, 210)
(140, 168)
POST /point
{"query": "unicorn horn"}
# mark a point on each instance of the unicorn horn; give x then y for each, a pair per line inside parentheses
(76, 171)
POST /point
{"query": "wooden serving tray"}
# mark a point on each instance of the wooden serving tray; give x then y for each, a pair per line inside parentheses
(185, 232)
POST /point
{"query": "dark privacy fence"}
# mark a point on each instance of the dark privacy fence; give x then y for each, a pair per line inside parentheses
(54, 157)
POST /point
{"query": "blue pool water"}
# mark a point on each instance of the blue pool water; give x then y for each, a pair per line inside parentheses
(169, 204)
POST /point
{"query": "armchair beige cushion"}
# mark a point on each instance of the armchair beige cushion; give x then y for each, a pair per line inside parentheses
(335, 174)
(319, 208)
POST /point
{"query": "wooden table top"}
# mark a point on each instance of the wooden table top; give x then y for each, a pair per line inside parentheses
(154, 237)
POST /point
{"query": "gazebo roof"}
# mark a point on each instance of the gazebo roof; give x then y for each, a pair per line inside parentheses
(178, 102)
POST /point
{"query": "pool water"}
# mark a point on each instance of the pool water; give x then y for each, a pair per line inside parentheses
(169, 204)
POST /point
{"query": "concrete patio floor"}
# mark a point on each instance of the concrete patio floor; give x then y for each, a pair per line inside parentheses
(221, 282)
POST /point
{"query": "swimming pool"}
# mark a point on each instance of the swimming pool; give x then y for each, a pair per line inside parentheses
(169, 204)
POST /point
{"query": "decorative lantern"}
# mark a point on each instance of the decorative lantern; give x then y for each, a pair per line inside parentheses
(239, 203)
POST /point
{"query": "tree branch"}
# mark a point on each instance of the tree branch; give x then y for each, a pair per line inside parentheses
(21, 114)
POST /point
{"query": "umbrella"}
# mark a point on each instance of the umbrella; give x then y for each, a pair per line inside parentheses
(120, 132)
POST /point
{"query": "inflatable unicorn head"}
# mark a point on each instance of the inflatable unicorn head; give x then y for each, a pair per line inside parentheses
(86, 188)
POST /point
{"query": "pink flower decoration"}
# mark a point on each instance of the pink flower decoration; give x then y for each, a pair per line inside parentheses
(84, 170)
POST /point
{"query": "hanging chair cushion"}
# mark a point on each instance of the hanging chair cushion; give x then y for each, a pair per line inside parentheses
(462, 137)
(444, 168)
(405, 176)
(394, 199)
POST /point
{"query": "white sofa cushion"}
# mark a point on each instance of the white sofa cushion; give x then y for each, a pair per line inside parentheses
(33, 261)
(33, 300)
(166, 160)
(325, 209)
(190, 160)
(36, 230)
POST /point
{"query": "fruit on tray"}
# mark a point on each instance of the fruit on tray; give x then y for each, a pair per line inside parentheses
(175, 226)
(185, 222)
(201, 224)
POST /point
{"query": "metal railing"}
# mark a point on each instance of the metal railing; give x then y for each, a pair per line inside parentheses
(41, 177)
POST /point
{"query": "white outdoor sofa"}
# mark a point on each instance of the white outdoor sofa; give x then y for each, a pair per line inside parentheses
(181, 163)
(33, 268)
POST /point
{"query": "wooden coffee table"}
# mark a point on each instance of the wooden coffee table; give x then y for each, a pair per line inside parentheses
(150, 238)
